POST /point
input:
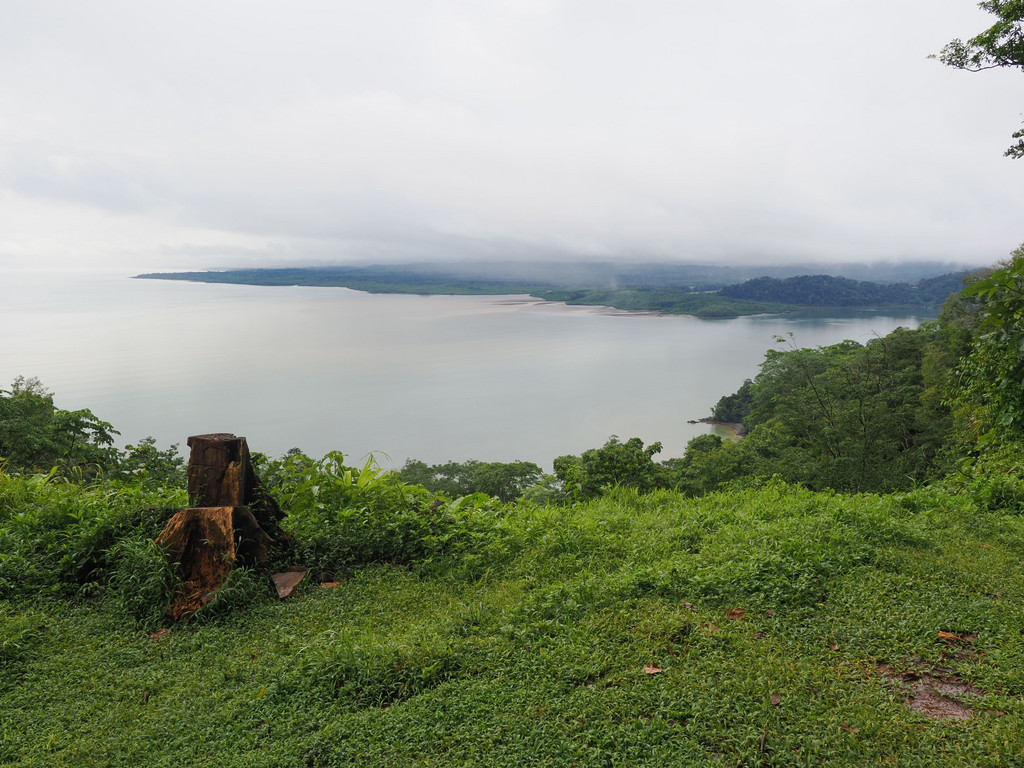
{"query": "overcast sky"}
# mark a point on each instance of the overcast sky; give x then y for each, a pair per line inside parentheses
(139, 135)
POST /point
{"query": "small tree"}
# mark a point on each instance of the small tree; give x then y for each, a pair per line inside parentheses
(35, 435)
(627, 464)
(505, 481)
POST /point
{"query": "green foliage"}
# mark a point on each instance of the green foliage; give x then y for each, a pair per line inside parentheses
(1001, 45)
(148, 464)
(829, 291)
(735, 407)
(343, 517)
(36, 435)
(991, 375)
(645, 629)
(504, 481)
(376, 672)
(141, 579)
(995, 481)
(895, 412)
(20, 632)
(244, 587)
(666, 299)
(849, 416)
(65, 538)
(627, 464)
(708, 463)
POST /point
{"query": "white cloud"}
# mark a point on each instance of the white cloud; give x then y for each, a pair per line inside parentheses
(204, 134)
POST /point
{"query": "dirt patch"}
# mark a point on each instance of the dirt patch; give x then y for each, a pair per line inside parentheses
(930, 691)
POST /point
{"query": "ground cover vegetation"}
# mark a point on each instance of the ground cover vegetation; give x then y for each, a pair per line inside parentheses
(804, 596)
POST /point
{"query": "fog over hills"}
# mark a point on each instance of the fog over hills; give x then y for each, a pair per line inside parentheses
(572, 274)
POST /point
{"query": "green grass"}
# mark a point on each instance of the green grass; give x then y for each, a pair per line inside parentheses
(768, 611)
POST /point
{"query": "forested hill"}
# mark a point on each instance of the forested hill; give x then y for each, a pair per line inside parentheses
(829, 291)
(669, 289)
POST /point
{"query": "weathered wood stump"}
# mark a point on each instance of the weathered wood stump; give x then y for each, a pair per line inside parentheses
(232, 520)
(220, 474)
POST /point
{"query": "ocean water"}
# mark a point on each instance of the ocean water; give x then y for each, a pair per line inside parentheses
(435, 378)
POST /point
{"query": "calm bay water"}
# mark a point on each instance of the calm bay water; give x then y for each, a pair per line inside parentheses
(435, 378)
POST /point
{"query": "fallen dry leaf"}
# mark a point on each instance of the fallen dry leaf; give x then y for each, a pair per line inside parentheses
(158, 634)
(650, 669)
(735, 614)
(776, 700)
(330, 585)
(953, 637)
(833, 646)
(848, 728)
(712, 628)
(689, 606)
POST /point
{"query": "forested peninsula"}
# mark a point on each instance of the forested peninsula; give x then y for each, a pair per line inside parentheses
(669, 289)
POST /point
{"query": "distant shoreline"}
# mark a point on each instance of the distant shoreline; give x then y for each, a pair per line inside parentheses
(634, 301)
(645, 290)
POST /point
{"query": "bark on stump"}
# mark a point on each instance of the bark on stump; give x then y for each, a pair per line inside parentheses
(220, 474)
(233, 520)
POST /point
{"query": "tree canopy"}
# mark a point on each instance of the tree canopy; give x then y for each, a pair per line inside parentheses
(38, 437)
(505, 481)
(1001, 45)
(991, 375)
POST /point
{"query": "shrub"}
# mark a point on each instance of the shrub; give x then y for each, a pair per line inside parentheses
(342, 517)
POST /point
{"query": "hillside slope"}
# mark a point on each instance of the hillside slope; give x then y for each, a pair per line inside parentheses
(769, 626)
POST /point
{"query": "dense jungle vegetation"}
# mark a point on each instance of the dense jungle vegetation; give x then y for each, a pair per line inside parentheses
(842, 586)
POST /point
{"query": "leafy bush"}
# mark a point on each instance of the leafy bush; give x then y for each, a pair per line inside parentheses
(141, 580)
(36, 435)
(628, 464)
(63, 538)
(995, 480)
(342, 517)
(505, 481)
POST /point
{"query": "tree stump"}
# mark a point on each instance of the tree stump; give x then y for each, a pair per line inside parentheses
(220, 474)
(233, 520)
